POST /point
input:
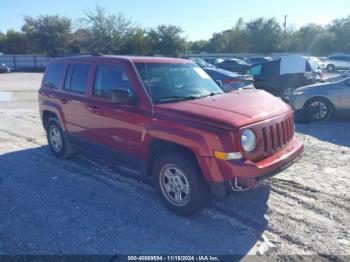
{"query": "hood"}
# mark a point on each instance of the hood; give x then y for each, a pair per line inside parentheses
(229, 111)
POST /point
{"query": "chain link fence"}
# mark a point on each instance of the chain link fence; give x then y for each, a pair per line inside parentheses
(25, 63)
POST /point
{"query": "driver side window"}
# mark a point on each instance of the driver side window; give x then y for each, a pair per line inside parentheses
(110, 77)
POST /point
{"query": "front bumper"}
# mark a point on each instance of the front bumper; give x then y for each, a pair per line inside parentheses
(219, 171)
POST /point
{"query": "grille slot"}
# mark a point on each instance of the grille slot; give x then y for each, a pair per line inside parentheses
(277, 135)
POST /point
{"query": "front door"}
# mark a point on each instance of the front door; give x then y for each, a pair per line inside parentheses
(117, 128)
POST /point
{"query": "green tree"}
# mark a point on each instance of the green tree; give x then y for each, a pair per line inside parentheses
(49, 35)
(324, 44)
(304, 39)
(105, 32)
(15, 43)
(135, 43)
(264, 35)
(198, 46)
(166, 40)
(340, 28)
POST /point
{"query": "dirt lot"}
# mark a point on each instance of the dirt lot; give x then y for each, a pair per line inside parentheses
(82, 206)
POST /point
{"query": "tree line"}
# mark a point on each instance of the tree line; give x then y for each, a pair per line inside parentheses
(101, 31)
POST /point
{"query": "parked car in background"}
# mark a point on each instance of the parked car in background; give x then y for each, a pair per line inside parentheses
(335, 62)
(4, 68)
(201, 62)
(229, 80)
(167, 119)
(234, 65)
(257, 59)
(281, 76)
(214, 61)
(324, 100)
(318, 62)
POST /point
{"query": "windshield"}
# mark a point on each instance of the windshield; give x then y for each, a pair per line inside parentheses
(174, 82)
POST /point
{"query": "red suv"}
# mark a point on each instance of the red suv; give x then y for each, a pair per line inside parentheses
(166, 118)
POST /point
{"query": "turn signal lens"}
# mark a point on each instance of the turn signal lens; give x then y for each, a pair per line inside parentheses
(227, 156)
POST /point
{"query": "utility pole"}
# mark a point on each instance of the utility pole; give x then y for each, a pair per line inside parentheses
(285, 31)
(285, 25)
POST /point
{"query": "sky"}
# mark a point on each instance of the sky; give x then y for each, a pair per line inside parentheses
(198, 18)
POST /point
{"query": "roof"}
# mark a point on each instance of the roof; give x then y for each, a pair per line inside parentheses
(134, 59)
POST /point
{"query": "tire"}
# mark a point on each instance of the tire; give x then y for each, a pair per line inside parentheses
(57, 140)
(319, 109)
(174, 172)
(287, 94)
(330, 68)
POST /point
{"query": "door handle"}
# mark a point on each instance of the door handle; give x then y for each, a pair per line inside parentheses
(93, 109)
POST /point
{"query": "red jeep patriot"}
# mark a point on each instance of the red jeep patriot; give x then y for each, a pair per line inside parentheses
(166, 118)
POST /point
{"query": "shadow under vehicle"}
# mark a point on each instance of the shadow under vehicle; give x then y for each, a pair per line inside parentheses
(109, 212)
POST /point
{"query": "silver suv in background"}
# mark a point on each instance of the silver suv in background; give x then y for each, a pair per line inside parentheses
(335, 62)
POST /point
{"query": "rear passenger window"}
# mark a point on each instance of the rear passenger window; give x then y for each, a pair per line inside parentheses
(109, 77)
(77, 78)
(54, 74)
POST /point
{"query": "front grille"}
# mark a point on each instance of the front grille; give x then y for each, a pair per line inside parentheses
(277, 135)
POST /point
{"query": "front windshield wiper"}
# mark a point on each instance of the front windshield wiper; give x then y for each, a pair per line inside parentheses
(174, 98)
(210, 94)
(182, 98)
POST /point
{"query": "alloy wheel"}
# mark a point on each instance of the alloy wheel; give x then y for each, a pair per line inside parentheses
(55, 137)
(322, 110)
(175, 185)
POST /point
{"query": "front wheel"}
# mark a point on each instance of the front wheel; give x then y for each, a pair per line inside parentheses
(180, 185)
(319, 109)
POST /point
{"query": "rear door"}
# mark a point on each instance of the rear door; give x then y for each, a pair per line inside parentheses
(74, 104)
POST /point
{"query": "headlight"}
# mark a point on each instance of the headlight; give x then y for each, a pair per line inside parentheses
(298, 93)
(248, 140)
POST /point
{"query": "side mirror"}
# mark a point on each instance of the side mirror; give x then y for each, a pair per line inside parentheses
(122, 97)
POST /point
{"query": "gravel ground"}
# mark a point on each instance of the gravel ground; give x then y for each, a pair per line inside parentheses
(83, 206)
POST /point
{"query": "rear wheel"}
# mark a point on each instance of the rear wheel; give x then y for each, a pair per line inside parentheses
(319, 109)
(57, 140)
(180, 185)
